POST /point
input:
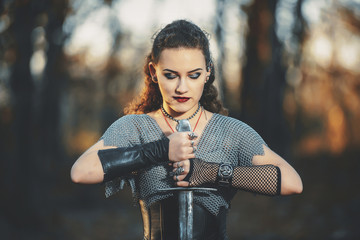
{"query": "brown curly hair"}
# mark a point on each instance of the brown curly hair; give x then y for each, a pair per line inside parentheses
(180, 33)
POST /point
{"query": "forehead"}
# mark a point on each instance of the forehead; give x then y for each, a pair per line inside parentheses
(181, 58)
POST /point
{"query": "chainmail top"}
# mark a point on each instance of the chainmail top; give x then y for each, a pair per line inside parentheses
(224, 139)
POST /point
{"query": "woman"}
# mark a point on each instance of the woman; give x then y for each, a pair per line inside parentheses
(145, 148)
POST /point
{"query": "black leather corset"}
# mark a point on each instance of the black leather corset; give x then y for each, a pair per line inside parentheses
(161, 221)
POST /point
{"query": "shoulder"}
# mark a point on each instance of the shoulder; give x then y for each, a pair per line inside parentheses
(134, 117)
(127, 123)
(231, 123)
(249, 142)
(124, 130)
(129, 120)
(241, 130)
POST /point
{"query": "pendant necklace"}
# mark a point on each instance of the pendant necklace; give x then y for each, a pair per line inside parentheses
(165, 114)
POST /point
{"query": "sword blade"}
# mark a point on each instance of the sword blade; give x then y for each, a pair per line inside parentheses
(185, 199)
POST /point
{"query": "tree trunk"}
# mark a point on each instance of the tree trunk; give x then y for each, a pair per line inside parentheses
(22, 86)
(219, 32)
(264, 77)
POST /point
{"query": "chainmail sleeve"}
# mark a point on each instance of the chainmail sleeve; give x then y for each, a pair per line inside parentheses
(119, 135)
(133, 130)
(229, 140)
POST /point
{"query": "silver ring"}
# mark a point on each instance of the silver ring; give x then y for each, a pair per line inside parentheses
(194, 149)
(179, 171)
(176, 177)
(192, 135)
(192, 143)
(178, 164)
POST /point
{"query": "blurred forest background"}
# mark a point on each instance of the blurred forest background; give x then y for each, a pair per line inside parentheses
(290, 69)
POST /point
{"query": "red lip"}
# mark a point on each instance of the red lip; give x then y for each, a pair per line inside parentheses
(181, 99)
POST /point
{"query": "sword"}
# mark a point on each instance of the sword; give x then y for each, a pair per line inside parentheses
(185, 197)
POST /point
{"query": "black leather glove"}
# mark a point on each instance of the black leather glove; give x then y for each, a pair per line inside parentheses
(118, 162)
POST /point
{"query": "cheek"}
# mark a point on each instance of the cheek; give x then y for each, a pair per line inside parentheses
(165, 89)
(200, 89)
(162, 90)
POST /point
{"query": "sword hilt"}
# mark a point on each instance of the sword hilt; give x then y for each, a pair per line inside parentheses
(185, 196)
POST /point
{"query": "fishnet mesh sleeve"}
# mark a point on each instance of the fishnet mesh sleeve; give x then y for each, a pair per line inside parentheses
(201, 173)
(262, 179)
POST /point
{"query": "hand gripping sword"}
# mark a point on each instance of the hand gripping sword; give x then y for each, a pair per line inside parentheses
(185, 197)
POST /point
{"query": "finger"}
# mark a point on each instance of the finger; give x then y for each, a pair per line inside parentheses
(184, 153)
(192, 135)
(191, 152)
(179, 178)
(185, 135)
(189, 156)
(193, 143)
(177, 164)
(182, 175)
(190, 149)
(182, 184)
(183, 164)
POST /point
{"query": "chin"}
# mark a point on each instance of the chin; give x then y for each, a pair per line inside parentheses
(182, 108)
(179, 110)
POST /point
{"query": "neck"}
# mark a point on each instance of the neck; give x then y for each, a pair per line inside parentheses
(182, 124)
(179, 116)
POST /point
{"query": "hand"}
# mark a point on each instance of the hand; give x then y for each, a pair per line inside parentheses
(179, 179)
(199, 171)
(181, 147)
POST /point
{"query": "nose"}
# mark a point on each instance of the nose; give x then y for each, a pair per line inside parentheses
(182, 86)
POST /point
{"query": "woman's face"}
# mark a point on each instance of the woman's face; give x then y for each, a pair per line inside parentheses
(181, 74)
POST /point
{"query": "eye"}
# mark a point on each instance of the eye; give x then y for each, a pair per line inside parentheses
(195, 75)
(170, 75)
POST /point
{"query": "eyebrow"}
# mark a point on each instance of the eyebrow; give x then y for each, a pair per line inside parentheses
(197, 69)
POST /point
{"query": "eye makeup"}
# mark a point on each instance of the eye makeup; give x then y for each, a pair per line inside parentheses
(170, 74)
(195, 75)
